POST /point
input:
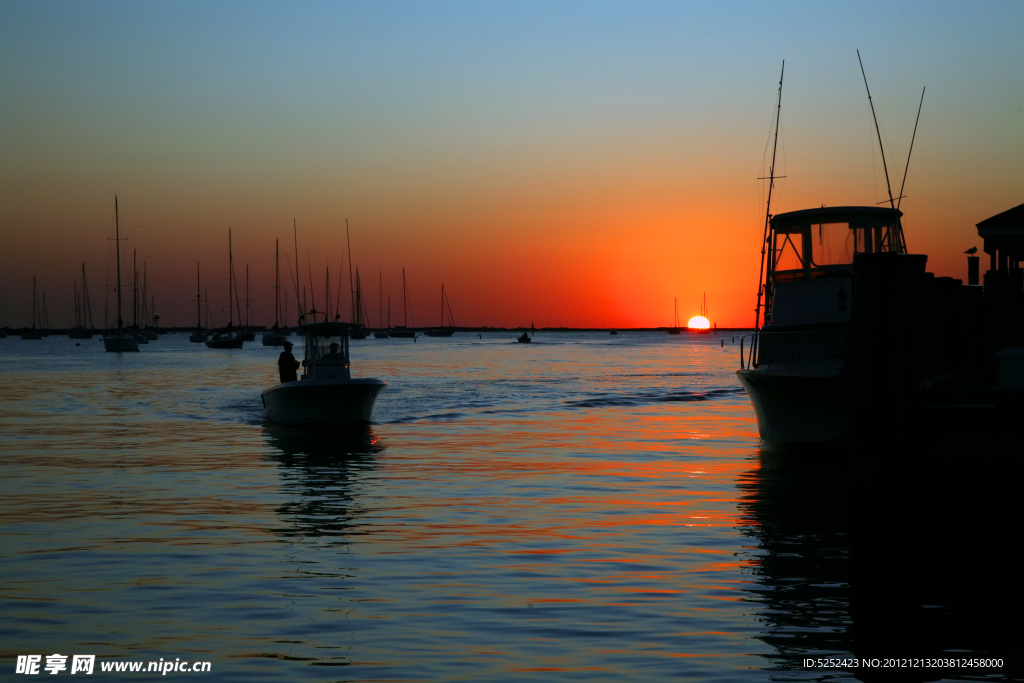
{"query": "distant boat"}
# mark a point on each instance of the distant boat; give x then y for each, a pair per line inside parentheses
(83, 312)
(326, 393)
(33, 333)
(675, 329)
(120, 340)
(403, 331)
(524, 339)
(199, 335)
(227, 339)
(382, 332)
(705, 321)
(446, 307)
(276, 337)
(612, 331)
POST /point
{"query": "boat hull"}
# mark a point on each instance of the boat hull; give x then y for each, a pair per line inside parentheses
(799, 410)
(120, 344)
(321, 401)
(224, 343)
(197, 337)
(270, 339)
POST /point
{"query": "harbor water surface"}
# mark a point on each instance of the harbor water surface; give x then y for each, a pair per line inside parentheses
(585, 507)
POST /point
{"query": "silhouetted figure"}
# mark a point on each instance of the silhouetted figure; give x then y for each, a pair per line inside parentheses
(333, 353)
(287, 365)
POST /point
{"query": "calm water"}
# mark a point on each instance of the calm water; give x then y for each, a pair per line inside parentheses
(587, 507)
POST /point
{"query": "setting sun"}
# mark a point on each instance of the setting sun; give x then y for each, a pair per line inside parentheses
(698, 322)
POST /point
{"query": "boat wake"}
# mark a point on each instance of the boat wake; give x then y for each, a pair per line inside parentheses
(608, 400)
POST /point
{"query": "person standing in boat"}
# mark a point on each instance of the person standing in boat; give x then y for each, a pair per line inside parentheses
(287, 365)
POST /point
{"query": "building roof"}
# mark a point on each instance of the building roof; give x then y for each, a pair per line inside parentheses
(1011, 218)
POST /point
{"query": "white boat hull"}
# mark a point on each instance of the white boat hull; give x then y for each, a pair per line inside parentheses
(799, 410)
(322, 401)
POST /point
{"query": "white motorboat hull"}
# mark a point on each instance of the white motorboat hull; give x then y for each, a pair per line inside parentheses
(799, 410)
(322, 401)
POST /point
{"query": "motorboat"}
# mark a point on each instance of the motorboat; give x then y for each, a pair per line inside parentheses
(326, 393)
(796, 367)
(524, 339)
(275, 338)
(224, 340)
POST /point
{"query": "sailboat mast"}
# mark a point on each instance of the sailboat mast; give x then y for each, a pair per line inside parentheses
(135, 289)
(75, 285)
(380, 301)
(199, 301)
(351, 287)
(231, 282)
(298, 300)
(117, 242)
(405, 297)
(87, 306)
(247, 299)
(35, 305)
(277, 281)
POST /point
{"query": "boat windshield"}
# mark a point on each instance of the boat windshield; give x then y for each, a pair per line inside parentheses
(833, 244)
(325, 348)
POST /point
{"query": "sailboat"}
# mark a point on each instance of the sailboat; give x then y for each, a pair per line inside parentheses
(403, 331)
(382, 333)
(706, 322)
(199, 335)
(148, 327)
(33, 333)
(675, 329)
(83, 312)
(227, 339)
(248, 335)
(119, 340)
(445, 307)
(139, 336)
(359, 331)
(276, 337)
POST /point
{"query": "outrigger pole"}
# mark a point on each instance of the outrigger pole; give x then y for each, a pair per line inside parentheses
(768, 211)
(888, 187)
(904, 183)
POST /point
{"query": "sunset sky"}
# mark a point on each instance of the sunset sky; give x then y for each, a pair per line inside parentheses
(554, 163)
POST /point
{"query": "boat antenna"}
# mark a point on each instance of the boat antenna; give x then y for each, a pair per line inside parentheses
(298, 299)
(351, 287)
(768, 211)
(341, 276)
(878, 131)
(904, 183)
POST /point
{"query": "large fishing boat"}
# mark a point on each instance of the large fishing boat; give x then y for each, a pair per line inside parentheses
(796, 367)
(326, 393)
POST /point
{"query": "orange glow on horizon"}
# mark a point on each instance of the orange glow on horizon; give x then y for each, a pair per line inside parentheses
(698, 322)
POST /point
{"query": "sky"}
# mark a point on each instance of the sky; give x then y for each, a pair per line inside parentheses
(572, 164)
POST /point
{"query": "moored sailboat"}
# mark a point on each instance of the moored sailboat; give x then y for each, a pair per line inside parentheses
(276, 336)
(119, 340)
(446, 308)
(227, 339)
